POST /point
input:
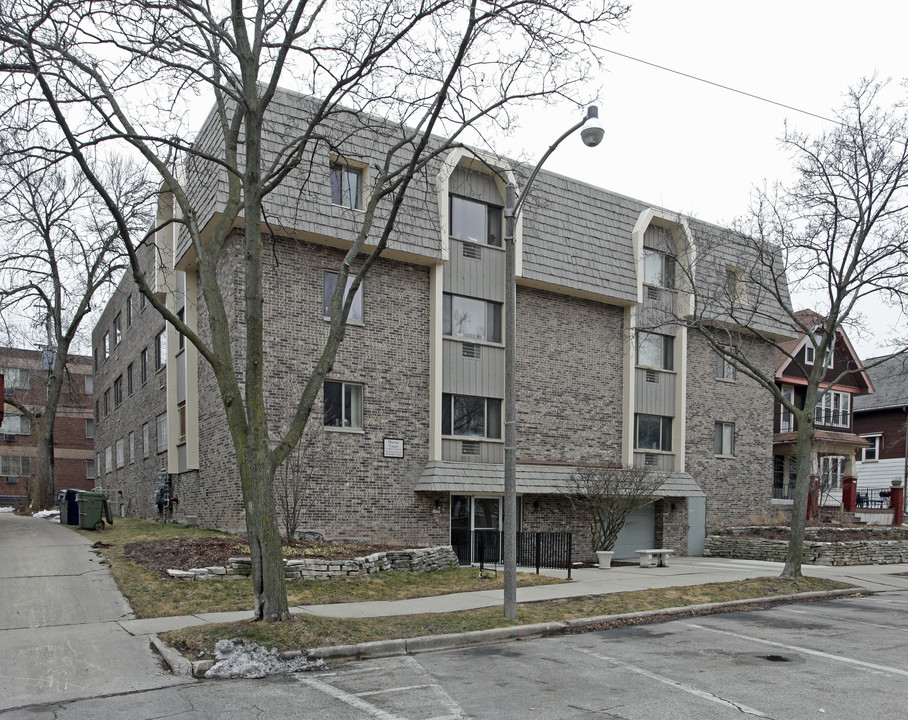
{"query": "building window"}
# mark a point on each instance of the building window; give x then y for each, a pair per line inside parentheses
(132, 447)
(470, 416)
(146, 442)
(144, 364)
(89, 384)
(832, 471)
(129, 311)
(162, 432)
(653, 432)
(14, 467)
(118, 391)
(872, 453)
(89, 428)
(470, 318)
(117, 330)
(655, 350)
(810, 352)
(14, 378)
(343, 405)
(143, 301)
(106, 398)
(734, 285)
(658, 269)
(346, 185)
(356, 307)
(724, 369)
(786, 419)
(476, 221)
(89, 469)
(108, 459)
(160, 350)
(16, 425)
(105, 345)
(834, 409)
(724, 439)
(181, 420)
(130, 387)
(121, 452)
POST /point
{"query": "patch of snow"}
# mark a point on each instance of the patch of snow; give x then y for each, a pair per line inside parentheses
(53, 515)
(237, 659)
(7, 509)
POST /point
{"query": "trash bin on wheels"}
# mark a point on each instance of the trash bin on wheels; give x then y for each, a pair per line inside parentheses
(93, 508)
(69, 510)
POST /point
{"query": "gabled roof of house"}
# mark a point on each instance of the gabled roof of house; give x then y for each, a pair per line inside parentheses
(890, 382)
(787, 352)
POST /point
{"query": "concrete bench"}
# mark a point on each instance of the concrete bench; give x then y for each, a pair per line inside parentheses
(654, 557)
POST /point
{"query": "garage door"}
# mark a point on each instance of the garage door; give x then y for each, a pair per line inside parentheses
(638, 532)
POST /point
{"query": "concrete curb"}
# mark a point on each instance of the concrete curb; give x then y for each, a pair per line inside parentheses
(179, 665)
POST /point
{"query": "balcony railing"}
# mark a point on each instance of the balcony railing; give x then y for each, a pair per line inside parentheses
(832, 418)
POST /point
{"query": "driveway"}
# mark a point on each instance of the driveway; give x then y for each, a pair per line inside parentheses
(59, 612)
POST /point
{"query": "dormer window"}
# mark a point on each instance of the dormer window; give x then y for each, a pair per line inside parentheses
(346, 185)
(475, 221)
(810, 353)
(658, 269)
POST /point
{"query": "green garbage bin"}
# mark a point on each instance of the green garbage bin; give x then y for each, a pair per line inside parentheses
(93, 508)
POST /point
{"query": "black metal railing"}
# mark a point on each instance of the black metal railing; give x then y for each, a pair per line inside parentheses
(534, 549)
(783, 492)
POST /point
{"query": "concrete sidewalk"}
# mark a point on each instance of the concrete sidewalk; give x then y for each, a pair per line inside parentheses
(59, 612)
(682, 572)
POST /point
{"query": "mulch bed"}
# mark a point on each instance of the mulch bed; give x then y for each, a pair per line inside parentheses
(199, 552)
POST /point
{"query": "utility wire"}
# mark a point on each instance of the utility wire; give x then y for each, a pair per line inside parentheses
(718, 85)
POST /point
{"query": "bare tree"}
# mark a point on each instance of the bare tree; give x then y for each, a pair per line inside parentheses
(839, 233)
(293, 480)
(60, 248)
(419, 76)
(604, 496)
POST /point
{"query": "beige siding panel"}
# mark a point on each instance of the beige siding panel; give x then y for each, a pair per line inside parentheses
(452, 451)
(478, 278)
(482, 377)
(655, 398)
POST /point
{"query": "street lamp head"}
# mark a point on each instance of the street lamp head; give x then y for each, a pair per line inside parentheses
(592, 131)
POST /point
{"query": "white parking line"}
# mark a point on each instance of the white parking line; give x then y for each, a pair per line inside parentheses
(705, 695)
(806, 651)
(349, 699)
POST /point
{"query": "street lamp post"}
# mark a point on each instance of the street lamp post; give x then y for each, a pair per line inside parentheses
(592, 135)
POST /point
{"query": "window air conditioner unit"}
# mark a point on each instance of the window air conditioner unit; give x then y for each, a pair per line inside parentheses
(9, 437)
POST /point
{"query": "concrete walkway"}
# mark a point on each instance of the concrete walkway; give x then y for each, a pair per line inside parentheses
(682, 571)
(60, 637)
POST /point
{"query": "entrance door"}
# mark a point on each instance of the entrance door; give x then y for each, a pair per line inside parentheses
(487, 528)
(460, 528)
(696, 525)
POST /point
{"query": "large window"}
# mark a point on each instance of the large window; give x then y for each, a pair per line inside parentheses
(470, 416)
(346, 185)
(89, 384)
(356, 307)
(89, 469)
(658, 269)
(832, 471)
(118, 391)
(724, 369)
(162, 432)
(724, 439)
(872, 453)
(655, 351)
(160, 350)
(834, 409)
(471, 318)
(477, 221)
(16, 425)
(14, 378)
(343, 405)
(89, 428)
(653, 432)
(13, 467)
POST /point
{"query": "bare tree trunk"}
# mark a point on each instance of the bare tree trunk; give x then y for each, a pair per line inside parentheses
(265, 548)
(795, 555)
(43, 486)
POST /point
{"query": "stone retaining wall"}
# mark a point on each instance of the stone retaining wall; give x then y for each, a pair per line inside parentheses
(416, 560)
(875, 551)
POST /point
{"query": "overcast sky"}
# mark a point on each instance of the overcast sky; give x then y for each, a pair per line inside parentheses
(698, 149)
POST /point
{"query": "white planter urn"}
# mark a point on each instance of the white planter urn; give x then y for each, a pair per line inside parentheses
(605, 558)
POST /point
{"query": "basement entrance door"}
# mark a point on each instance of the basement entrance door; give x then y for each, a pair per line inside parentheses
(472, 515)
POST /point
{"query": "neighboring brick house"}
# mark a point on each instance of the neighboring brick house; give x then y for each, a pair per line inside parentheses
(882, 420)
(835, 439)
(25, 379)
(409, 448)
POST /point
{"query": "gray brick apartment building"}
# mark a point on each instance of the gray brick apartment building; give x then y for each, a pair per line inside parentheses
(409, 446)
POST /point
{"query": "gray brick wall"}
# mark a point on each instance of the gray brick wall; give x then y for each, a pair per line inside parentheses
(741, 487)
